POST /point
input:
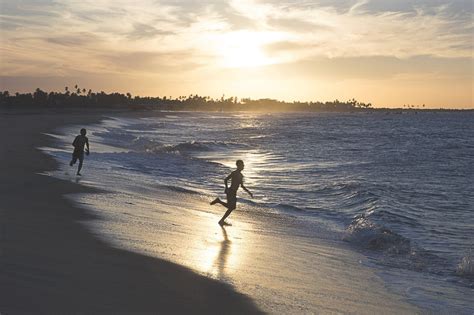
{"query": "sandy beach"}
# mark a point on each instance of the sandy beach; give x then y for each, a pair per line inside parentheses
(49, 262)
(67, 247)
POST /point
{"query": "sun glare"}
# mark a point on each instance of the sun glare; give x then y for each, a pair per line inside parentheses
(245, 49)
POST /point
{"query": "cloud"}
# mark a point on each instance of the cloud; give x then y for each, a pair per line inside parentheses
(456, 8)
(296, 25)
(287, 46)
(378, 67)
(73, 39)
(141, 30)
(150, 62)
(400, 34)
(161, 39)
(453, 8)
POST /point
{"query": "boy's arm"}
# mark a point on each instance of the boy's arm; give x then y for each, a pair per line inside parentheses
(226, 180)
(245, 188)
(74, 142)
(87, 145)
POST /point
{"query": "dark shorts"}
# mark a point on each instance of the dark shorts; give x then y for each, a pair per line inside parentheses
(231, 200)
(77, 155)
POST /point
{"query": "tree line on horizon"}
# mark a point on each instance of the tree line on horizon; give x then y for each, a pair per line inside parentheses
(82, 98)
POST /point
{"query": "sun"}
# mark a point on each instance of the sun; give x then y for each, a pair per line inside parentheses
(245, 49)
(244, 56)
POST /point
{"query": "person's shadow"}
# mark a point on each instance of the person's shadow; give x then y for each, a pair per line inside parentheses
(223, 255)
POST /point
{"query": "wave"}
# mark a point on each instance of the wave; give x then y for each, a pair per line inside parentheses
(142, 143)
(363, 232)
(115, 138)
(286, 207)
(183, 147)
(400, 252)
(180, 189)
(466, 266)
(189, 147)
(338, 189)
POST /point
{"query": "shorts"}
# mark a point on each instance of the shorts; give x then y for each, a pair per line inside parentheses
(77, 155)
(231, 200)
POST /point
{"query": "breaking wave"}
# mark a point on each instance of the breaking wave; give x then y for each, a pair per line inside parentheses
(466, 266)
(364, 233)
(187, 147)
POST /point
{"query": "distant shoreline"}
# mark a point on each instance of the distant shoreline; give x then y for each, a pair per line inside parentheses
(82, 99)
(133, 108)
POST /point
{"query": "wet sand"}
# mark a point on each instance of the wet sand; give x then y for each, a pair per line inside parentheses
(258, 255)
(50, 262)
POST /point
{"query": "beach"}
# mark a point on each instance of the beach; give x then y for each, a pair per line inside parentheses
(136, 232)
(167, 257)
(51, 263)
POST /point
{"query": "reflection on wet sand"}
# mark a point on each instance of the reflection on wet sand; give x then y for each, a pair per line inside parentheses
(282, 274)
(223, 255)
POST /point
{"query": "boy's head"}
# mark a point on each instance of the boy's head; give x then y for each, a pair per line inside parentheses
(83, 131)
(240, 164)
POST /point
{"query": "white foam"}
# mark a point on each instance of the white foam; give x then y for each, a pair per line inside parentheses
(466, 266)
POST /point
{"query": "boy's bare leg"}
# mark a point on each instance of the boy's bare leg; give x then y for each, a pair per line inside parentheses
(79, 167)
(217, 200)
(226, 214)
(73, 161)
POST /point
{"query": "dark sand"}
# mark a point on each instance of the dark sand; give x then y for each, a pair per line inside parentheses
(49, 262)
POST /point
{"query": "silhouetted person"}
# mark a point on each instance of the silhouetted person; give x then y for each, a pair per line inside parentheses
(237, 179)
(78, 154)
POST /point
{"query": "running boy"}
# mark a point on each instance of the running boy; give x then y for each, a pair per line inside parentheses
(78, 144)
(237, 179)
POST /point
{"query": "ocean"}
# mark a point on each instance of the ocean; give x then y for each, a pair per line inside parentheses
(394, 188)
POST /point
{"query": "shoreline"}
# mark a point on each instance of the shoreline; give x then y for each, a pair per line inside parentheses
(147, 108)
(51, 262)
(298, 275)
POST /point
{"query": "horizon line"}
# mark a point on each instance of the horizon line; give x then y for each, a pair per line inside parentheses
(82, 92)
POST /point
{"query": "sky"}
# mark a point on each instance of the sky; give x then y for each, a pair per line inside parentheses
(386, 52)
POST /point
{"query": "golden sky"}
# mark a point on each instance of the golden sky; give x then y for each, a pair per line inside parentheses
(387, 52)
